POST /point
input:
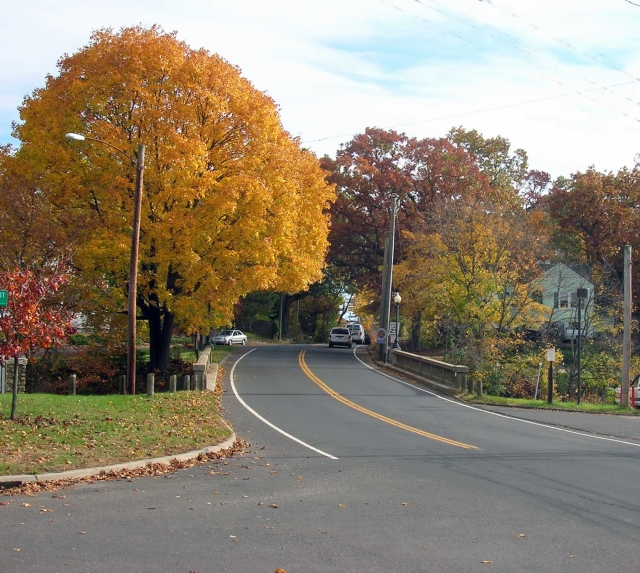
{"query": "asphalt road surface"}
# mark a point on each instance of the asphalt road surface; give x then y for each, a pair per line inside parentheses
(350, 470)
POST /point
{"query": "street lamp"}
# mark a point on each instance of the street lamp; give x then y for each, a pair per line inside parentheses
(581, 293)
(133, 262)
(397, 299)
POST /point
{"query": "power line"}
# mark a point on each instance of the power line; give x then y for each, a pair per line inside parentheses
(460, 114)
(531, 55)
(566, 43)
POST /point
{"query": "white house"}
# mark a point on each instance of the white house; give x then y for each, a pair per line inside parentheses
(557, 289)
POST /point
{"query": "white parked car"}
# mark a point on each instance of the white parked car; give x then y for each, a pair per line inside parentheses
(634, 390)
(230, 337)
(340, 336)
(357, 332)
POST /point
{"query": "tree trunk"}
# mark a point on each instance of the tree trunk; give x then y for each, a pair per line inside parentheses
(16, 377)
(416, 323)
(160, 331)
(286, 306)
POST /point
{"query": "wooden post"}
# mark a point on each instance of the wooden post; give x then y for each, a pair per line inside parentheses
(626, 336)
(173, 383)
(186, 382)
(151, 384)
(122, 383)
(72, 384)
(479, 388)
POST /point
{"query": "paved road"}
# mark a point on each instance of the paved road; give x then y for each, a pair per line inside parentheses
(350, 470)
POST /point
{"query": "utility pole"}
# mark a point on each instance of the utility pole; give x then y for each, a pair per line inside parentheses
(133, 273)
(387, 280)
(626, 336)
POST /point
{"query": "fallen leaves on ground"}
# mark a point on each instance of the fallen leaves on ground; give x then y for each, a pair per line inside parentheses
(153, 469)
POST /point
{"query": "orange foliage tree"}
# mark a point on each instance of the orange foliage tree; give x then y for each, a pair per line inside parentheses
(231, 202)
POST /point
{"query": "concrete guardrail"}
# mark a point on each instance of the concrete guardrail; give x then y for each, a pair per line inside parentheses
(449, 378)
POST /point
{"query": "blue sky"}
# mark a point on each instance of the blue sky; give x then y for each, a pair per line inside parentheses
(559, 79)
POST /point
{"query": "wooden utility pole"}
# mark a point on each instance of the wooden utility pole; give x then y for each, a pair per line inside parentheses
(133, 274)
(626, 337)
(387, 279)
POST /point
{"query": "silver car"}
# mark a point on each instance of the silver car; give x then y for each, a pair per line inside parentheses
(230, 337)
(340, 337)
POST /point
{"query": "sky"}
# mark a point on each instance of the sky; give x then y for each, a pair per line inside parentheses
(557, 78)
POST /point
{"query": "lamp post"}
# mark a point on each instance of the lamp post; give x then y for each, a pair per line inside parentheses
(581, 293)
(133, 262)
(397, 299)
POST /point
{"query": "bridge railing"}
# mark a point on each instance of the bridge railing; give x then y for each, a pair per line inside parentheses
(451, 378)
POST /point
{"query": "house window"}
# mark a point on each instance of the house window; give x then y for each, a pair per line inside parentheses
(566, 300)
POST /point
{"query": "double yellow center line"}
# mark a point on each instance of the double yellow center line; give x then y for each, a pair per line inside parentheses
(375, 415)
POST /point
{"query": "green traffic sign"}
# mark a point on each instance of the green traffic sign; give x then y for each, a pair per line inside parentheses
(4, 297)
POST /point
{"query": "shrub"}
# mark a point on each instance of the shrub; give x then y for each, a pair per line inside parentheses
(94, 367)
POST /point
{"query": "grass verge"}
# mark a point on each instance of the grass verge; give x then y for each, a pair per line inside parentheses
(544, 405)
(56, 433)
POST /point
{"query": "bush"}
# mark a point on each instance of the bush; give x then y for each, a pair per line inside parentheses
(94, 367)
(493, 382)
(520, 385)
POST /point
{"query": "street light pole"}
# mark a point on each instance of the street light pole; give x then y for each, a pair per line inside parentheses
(397, 299)
(133, 262)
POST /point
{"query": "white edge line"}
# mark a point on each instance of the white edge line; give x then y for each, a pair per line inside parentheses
(235, 391)
(531, 422)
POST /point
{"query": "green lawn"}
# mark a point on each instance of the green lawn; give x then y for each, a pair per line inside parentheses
(542, 404)
(55, 433)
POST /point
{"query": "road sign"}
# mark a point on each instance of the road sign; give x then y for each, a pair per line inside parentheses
(4, 297)
(382, 336)
(392, 332)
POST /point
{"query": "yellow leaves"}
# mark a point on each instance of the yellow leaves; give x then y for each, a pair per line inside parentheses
(231, 203)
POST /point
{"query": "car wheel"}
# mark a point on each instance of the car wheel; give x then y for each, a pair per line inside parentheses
(330, 344)
(243, 342)
(229, 343)
(350, 345)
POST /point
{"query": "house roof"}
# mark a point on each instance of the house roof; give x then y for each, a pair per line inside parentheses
(570, 275)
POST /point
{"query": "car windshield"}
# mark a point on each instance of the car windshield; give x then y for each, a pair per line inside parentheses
(226, 333)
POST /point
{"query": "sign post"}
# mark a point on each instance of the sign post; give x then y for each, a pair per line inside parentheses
(551, 357)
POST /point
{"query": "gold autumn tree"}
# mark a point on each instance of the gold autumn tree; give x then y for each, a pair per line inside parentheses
(231, 203)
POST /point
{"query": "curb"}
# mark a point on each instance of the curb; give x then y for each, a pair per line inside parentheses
(17, 480)
(8, 481)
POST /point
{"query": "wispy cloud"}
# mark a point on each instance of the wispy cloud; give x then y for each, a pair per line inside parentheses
(559, 79)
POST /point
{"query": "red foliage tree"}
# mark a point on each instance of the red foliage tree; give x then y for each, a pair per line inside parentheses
(370, 169)
(32, 319)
